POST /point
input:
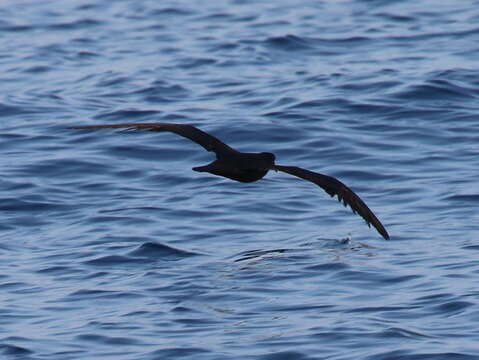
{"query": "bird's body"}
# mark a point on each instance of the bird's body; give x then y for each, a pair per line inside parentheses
(250, 167)
(242, 167)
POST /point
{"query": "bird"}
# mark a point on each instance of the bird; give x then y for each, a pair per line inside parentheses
(249, 167)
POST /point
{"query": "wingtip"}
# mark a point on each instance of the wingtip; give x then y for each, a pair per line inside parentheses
(384, 233)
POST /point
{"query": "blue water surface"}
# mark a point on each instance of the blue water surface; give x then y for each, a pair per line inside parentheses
(112, 248)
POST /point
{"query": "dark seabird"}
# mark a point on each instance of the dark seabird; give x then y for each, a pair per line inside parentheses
(249, 167)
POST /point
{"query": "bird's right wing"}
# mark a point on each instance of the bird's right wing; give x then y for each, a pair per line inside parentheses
(335, 187)
(209, 142)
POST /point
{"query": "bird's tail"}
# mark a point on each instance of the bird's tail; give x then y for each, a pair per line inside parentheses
(201, 168)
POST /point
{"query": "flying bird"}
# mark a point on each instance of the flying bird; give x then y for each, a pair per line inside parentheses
(250, 167)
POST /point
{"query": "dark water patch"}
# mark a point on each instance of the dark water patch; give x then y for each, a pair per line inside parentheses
(394, 332)
(373, 277)
(4, 26)
(24, 220)
(13, 137)
(435, 91)
(188, 214)
(452, 308)
(330, 266)
(349, 40)
(372, 109)
(57, 270)
(13, 285)
(86, 54)
(9, 204)
(140, 209)
(288, 43)
(386, 309)
(282, 101)
(285, 355)
(127, 174)
(176, 180)
(76, 25)
(236, 93)
(101, 294)
(10, 110)
(113, 80)
(5, 228)
(181, 353)
(219, 17)
(159, 251)
(321, 103)
(112, 260)
(325, 46)
(172, 11)
(226, 83)
(302, 308)
(434, 298)
(194, 63)
(253, 102)
(37, 69)
(65, 168)
(462, 76)
(368, 87)
(413, 112)
(106, 340)
(269, 24)
(455, 88)
(96, 187)
(359, 175)
(183, 310)
(162, 92)
(18, 352)
(38, 143)
(192, 323)
(396, 17)
(287, 115)
(163, 88)
(128, 115)
(169, 149)
(221, 47)
(409, 355)
(122, 238)
(463, 198)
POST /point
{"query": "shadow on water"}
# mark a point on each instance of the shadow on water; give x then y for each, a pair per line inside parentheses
(326, 245)
(145, 253)
(153, 250)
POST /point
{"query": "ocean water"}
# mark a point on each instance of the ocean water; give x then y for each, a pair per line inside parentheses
(112, 248)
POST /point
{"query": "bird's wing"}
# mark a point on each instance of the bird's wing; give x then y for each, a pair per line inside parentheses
(335, 187)
(209, 142)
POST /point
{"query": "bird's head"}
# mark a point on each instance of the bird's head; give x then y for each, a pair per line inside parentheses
(268, 157)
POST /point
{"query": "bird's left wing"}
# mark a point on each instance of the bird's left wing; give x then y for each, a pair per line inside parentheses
(335, 187)
(209, 142)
